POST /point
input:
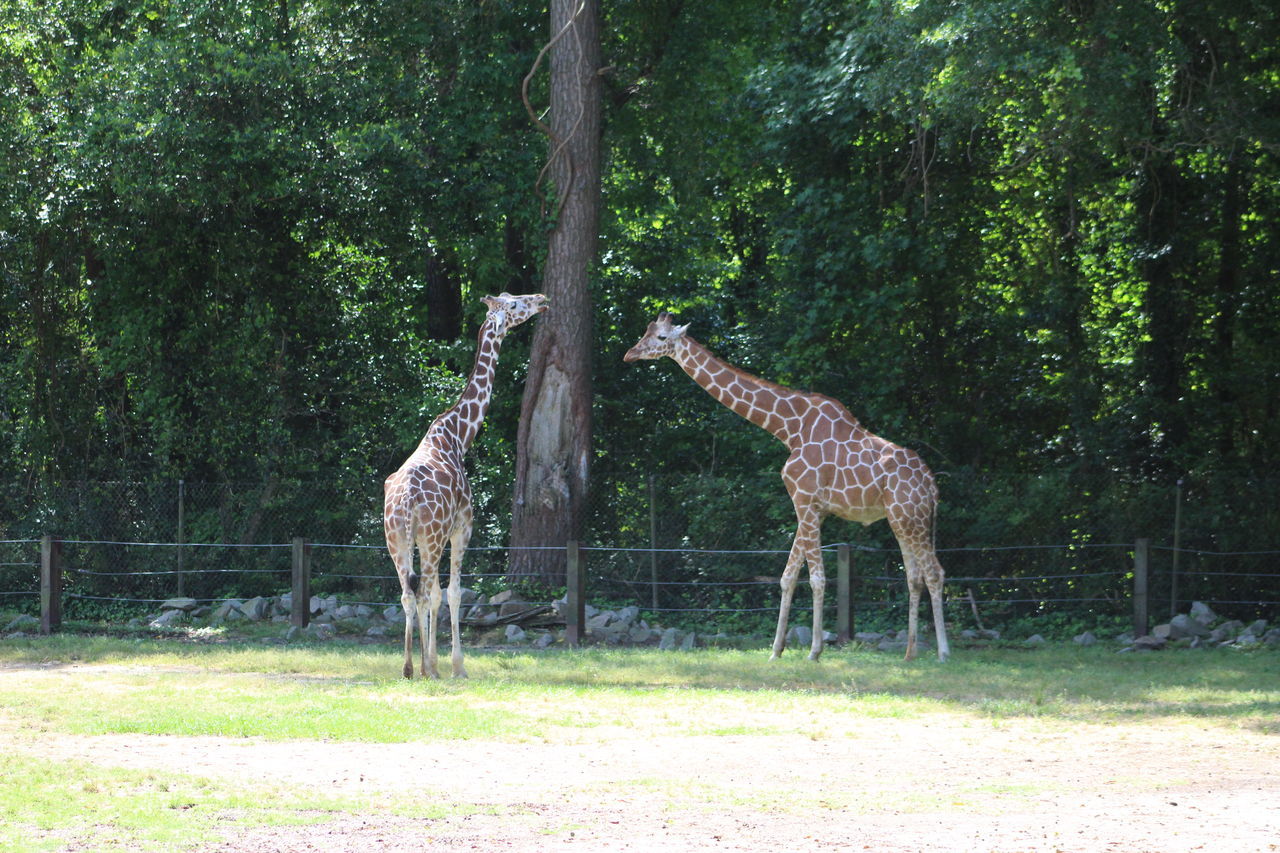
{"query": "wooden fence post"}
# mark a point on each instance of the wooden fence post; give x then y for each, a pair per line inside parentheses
(1140, 622)
(576, 581)
(300, 596)
(844, 613)
(50, 585)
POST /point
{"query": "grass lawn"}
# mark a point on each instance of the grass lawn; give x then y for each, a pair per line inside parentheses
(77, 685)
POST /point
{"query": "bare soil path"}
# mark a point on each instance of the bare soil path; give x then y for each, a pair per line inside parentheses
(944, 782)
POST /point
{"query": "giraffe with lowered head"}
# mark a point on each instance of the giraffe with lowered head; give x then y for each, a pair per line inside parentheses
(428, 501)
(836, 467)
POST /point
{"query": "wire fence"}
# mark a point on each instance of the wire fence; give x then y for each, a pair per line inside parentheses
(1020, 547)
(102, 579)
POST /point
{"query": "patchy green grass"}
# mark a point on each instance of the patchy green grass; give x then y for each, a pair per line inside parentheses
(354, 693)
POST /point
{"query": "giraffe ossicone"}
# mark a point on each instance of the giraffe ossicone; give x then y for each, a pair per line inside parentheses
(427, 502)
(836, 467)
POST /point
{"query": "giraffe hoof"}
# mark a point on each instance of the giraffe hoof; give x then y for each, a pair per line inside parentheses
(408, 672)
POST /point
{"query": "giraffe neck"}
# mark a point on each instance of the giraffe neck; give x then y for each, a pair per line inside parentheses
(464, 419)
(766, 404)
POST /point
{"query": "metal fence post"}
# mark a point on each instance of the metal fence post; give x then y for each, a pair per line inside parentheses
(844, 614)
(576, 578)
(50, 585)
(300, 596)
(182, 532)
(1140, 622)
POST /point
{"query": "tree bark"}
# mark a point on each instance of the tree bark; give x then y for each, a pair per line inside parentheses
(553, 443)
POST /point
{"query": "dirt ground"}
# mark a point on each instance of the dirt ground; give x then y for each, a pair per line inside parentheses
(943, 782)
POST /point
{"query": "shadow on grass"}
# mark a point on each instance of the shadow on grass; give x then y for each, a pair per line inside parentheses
(1070, 682)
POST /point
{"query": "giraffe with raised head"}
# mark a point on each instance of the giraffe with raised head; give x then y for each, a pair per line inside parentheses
(836, 467)
(428, 501)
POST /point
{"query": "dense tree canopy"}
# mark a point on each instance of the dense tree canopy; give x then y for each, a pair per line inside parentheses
(243, 243)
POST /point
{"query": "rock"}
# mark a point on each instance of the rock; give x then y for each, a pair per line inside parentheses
(377, 631)
(800, 636)
(515, 634)
(1272, 638)
(346, 611)
(543, 641)
(364, 611)
(292, 632)
(988, 634)
(502, 597)
(1226, 632)
(317, 604)
(393, 614)
(1185, 626)
(629, 615)
(227, 611)
(1201, 613)
(669, 640)
(23, 622)
(184, 604)
(169, 618)
(1085, 639)
(600, 620)
(687, 644)
(1258, 628)
(1125, 638)
(1149, 643)
(639, 633)
(892, 644)
(256, 609)
(1034, 640)
(320, 631)
(513, 607)
(868, 637)
(1163, 632)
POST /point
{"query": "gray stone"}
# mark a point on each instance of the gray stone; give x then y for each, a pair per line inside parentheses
(1149, 643)
(629, 615)
(892, 644)
(502, 597)
(515, 634)
(639, 633)
(256, 609)
(513, 607)
(1125, 638)
(1258, 628)
(345, 611)
(800, 636)
(1034, 640)
(169, 618)
(868, 637)
(23, 622)
(1162, 632)
(543, 641)
(228, 611)
(1201, 613)
(377, 631)
(364, 611)
(317, 604)
(1272, 638)
(320, 631)
(183, 603)
(1185, 626)
(689, 641)
(393, 614)
(1227, 631)
(670, 639)
(1085, 639)
(988, 634)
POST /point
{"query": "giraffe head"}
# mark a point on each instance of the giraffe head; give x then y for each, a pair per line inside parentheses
(659, 339)
(507, 311)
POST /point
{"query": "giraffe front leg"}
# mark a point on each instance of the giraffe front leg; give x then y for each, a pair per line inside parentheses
(913, 606)
(788, 584)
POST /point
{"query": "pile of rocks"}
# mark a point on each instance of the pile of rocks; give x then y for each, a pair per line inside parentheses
(503, 618)
(1199, 628)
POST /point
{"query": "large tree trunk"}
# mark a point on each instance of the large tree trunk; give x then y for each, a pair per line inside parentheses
(553, 445)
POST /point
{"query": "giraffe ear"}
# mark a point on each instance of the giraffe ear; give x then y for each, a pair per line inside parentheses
(677, 331)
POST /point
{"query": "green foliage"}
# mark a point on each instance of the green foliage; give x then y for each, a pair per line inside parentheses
(1033, 240)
